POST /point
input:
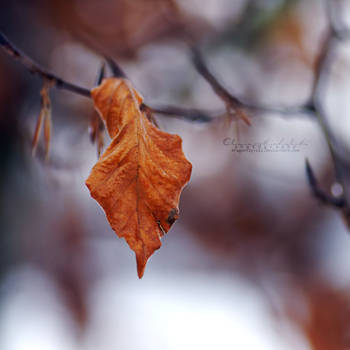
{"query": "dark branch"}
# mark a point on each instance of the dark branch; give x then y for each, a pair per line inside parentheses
(116, 70)
(101, 74)
(193, 115)
(337, 31)
(36, 69)
(322, 68)
(318, 192)
(234, 102)
(203, 70)
(276, 109)
(204, 116)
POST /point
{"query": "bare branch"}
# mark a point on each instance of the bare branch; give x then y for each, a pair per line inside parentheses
(193, 115)
(322, 69)
(202, 69)
(233, 104)
(318, 192)
(117, 71)
(236, 103)
(101, 74)
(34, 68)
(190, 114)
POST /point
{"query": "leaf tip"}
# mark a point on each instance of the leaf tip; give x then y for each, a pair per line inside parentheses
(141, 265)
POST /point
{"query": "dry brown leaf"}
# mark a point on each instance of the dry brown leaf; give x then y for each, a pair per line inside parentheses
(37, 131)
(139, 178)
(44, 117)
(47, 132)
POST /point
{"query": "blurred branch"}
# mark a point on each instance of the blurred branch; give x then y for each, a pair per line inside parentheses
(203, 70)
(322, 71)
(189, 114)
(205, 116)
(337, 31)
(34, 68)
(339, 203)
(117, 71)
(193, 115)
(235, 103)
(101, 74)
(318, 192)
(337, 24)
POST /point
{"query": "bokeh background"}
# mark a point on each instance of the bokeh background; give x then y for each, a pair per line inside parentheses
(254, 262)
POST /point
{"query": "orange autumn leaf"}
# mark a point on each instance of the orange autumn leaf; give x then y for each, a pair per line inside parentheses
(139, 178)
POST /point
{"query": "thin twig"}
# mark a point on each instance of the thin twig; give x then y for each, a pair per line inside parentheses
(206, 116)
(193, 115)
(202, 68)
(188, 114)
(234, 106)
(34, 68)
(236, 103)
(116, 69)
(101, 74)
(318, 192)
